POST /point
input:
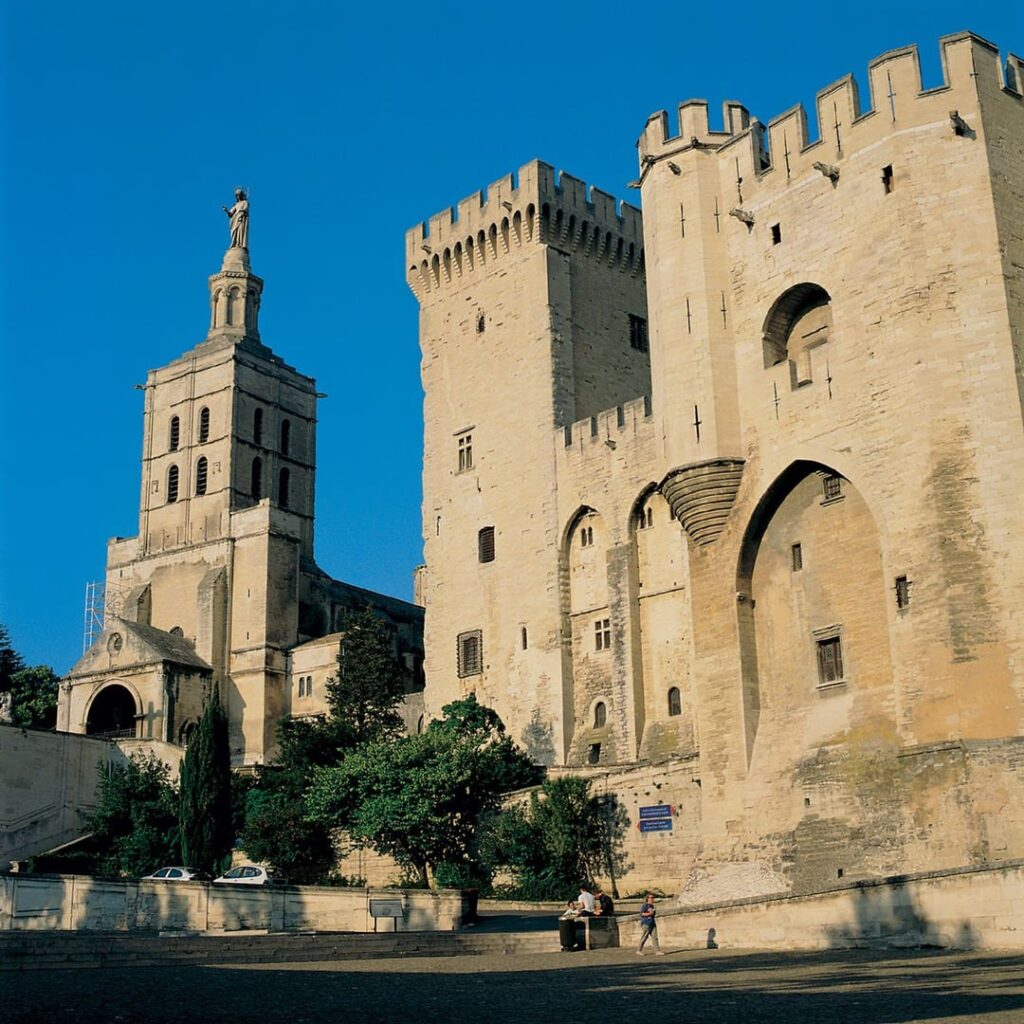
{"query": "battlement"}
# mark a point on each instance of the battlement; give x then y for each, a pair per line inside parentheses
(535, 206)
(607, 426)
(898, 99)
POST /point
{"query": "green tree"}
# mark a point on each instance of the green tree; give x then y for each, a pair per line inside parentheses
(207, 834)
(370, 683)
(135, 826)
(10, 660)
(34, 697)
(419, 798)
(565, 836)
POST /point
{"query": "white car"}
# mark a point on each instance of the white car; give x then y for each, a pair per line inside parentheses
(250, 874)
(177, 874)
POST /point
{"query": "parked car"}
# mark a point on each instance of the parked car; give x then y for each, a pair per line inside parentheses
(176, 874)
(251, 874)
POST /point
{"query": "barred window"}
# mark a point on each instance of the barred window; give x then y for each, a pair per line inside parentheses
(902, 592)
(602, 634)
(638, 333)
(796, 553)
(830, 660)
(470, 653)
(175, 434)
(204, 425)
(485, 544)
(831, 487)
(172, 484)
(201, 472)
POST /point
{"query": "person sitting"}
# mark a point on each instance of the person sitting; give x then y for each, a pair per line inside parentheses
(571, 909)
(586, 901)
(604, 906)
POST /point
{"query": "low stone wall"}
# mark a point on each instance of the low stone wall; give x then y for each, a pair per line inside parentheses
(79, 902)
(969, 908)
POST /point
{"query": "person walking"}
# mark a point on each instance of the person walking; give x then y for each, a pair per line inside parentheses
(649, 926)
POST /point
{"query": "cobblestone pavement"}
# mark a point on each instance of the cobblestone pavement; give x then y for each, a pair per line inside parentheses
(710, 987)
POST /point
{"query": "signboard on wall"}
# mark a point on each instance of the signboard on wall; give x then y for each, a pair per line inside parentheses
(655, 818)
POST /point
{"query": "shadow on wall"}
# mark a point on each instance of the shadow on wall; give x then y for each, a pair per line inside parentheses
(888, 916)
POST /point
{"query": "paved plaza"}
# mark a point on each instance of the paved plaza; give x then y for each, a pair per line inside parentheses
(710, 987)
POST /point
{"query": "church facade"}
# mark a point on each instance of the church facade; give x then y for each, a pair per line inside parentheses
(721, 502)
(220, 585)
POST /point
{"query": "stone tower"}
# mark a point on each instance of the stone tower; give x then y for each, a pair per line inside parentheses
(220, 584)
(532, 316)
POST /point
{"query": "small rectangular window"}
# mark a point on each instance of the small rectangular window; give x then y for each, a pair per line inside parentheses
(831, 487)
(887, 179)
(830, 660)
(485, 544)
(594, 753)
(902, 592)
(797, 553)
(602, 635)
(776, 234)
(470, 653)
(524, 637)
(638, 333)
(465, 452)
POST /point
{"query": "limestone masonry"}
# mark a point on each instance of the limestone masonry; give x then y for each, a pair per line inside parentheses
(220, 585)
(722, 504)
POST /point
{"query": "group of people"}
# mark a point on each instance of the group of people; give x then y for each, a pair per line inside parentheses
(590, 903)
(595, 903)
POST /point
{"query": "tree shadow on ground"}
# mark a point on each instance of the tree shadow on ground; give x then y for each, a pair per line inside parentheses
(855, 987)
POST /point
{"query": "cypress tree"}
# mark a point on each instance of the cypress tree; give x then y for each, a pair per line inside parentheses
(205, 808)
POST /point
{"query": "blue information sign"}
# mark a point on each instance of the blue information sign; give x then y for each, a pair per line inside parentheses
(656, 825)
(656, 811)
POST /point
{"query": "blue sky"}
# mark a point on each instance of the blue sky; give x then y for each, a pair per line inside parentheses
(126, 126)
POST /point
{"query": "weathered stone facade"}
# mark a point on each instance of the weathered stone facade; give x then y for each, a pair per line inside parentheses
(780, 549)
(220, 585)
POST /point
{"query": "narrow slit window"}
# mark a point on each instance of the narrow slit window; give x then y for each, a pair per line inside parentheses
(204, 425)
(481, 323)
(887, 179)
(286, 436)
(257, 426)
(675, 702)
(524, 638)
(172, 485)
(256, 479)
(283, 487)
(776, 234)
(902, 592)
(201, 474)
(174, 438)
(485, 544)
(797, 555)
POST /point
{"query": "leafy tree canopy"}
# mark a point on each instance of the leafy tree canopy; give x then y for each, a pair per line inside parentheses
(419, 798)
(34, 697)
(370, 684)
(136, 824)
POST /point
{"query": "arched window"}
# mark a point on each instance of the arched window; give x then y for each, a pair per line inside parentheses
(204, 425)
(201, 469)
(600, 714)
(799, 320)
(257, 426)
(675, 703)
(256, 479)
(286, 436)
(172, 484)
(283, 481)
(175, 434)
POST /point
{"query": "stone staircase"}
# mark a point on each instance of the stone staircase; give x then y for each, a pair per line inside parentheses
(39, 950)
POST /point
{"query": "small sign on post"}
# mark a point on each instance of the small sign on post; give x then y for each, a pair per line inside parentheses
(386, 908)
(655, 818)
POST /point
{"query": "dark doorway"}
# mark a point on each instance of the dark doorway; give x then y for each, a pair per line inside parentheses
(112, 713)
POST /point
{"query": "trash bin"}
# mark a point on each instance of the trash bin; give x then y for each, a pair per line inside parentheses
(567, 933)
